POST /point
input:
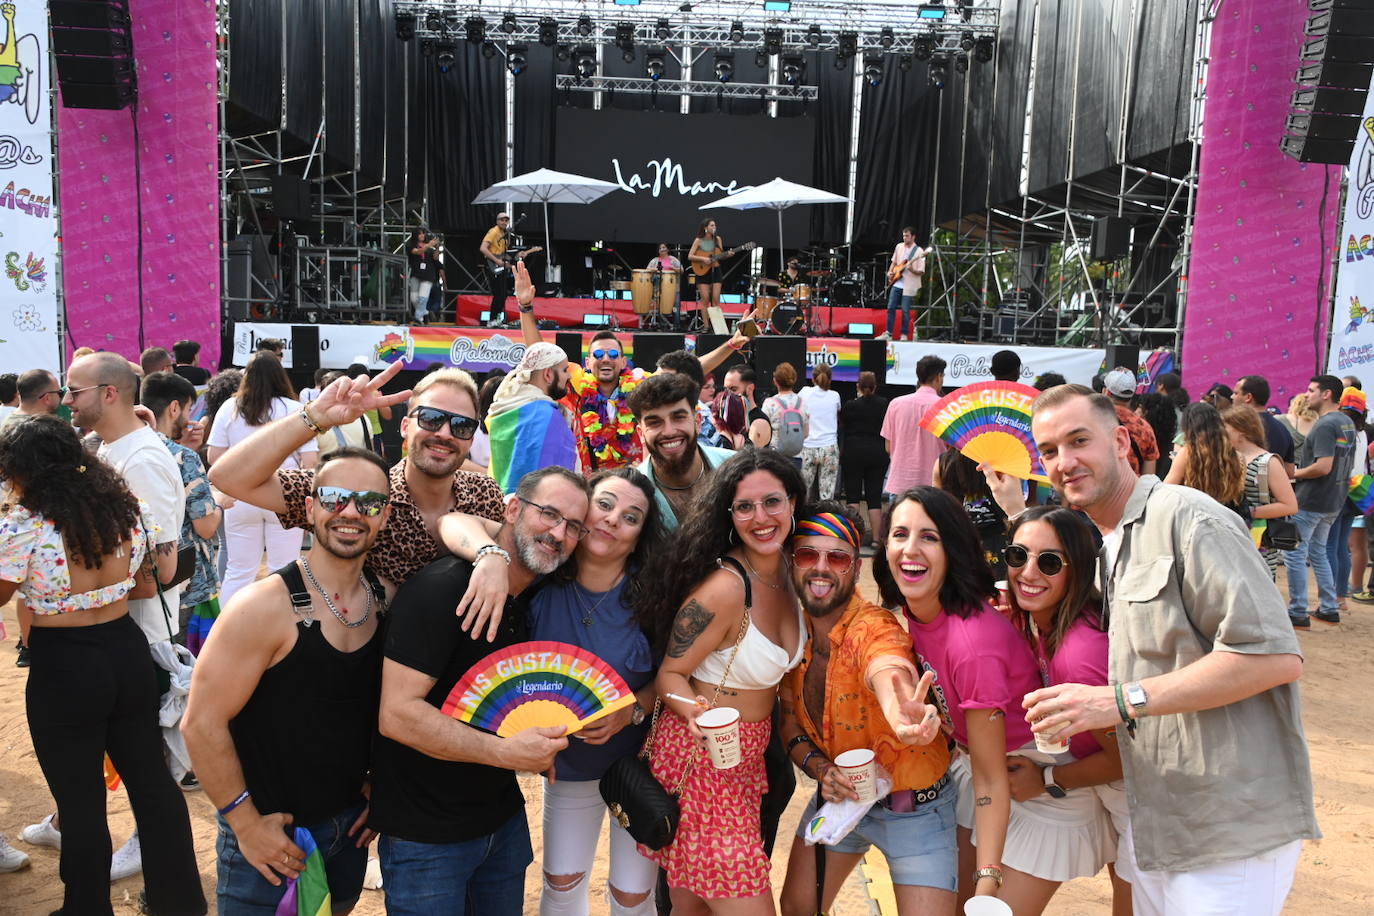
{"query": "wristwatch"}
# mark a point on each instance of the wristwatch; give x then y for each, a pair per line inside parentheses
(637, 714)
(1136, 698)
(1053, 788)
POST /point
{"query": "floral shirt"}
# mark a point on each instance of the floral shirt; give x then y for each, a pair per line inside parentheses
(609, 436)
(404, 545)
(204, 583)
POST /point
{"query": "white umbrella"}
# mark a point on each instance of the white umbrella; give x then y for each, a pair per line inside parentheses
(778, 194)
(545, 186)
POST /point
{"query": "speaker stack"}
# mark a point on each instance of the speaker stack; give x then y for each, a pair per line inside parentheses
(95, 53)
(1332, 82)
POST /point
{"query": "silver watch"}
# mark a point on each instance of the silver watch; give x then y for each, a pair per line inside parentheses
(637, 714)
(1136, 698)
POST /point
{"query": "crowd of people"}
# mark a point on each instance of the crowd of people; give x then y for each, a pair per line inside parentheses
(1053, 680)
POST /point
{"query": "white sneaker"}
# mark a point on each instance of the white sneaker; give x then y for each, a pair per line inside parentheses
(883, 336)
(42, 833)
(11, 859)
(127, 860)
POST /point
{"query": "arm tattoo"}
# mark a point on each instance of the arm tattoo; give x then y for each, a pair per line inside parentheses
(983, 801)
(691, 622)
(166, 548)
(995, 715)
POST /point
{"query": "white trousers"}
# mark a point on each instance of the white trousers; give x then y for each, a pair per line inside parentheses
(248, 532)
(419, 296)
(573, 815)
(1256, 886)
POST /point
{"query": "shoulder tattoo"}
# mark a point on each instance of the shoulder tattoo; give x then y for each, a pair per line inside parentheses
(690, 623)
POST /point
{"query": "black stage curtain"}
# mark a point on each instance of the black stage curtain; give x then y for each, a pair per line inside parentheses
(379, 88)
(461, 118)
(304, 66)
(255, 65)
(534, 129)
(746, 71)
(897, 157)
(1005, 121)
(1160, 97)
(341, 57)
(834, 113)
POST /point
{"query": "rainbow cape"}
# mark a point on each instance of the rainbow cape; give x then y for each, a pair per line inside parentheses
(534, 435)
(307, 894)
(1362, 492)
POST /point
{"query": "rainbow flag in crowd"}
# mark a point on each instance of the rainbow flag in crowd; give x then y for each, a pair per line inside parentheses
(534, 435)
(203, 617)
(1362, 492)
(307, 894)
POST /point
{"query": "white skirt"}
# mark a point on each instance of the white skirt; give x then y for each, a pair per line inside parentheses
(1113, 798)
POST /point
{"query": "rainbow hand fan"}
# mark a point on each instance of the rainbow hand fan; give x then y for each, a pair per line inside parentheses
(537, 684)
(990, 422)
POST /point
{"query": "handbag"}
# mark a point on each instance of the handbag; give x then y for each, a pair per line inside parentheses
(1279, 533)
(637, 800)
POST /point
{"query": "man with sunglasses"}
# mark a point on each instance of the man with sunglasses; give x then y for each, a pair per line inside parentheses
(425, 485)
(39, 393)
(857, 687)
(304, 641)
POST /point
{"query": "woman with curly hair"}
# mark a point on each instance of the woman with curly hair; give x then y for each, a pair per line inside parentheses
(265, 395)
(1275, 498)
(72, 537)
(1207, 461)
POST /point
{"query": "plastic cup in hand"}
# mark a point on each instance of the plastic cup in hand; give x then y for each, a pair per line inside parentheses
(860, 767)
(1049, 744)
(721, 728)
(986, 906)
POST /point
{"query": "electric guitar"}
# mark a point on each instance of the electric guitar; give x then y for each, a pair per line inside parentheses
(894, 273)
(715, 258)
(508, 260)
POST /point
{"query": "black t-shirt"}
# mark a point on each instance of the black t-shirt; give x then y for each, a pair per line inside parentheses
(862, 419)
(193, 374)
(1276, 437)
(424, 268)
(421, 798)
(756, 413)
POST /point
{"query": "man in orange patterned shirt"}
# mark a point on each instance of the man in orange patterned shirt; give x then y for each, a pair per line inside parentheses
(857, 687)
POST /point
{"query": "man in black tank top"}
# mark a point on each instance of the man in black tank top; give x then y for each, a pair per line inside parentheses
(283, 704)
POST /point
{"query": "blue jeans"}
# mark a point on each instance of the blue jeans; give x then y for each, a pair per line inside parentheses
(485, 876)
(1313, 528)
(896, 324)
(243, 891)
(920, 846)
(1338, 550)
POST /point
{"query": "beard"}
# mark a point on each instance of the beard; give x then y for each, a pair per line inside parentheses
(324, 536)
(839, 595)
(526, 547)
(431, 465)
(557, 390)
(674, 465)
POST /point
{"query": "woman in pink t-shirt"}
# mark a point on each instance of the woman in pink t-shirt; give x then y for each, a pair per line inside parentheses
(1065, 807)
(933, 568)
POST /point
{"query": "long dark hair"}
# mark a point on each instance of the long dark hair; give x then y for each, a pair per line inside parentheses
(1213, 465)
(960, 477)
(968, 578)
(707, 532)
(263, 380)
(701, 230)
(84, 498)
(1080, 565)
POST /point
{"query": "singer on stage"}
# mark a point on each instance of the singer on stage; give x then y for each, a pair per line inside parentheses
(707, 251)
(493, 248)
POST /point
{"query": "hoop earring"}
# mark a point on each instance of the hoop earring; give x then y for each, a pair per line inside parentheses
(730, 538)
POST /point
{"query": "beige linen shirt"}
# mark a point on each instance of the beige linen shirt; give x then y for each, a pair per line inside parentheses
(1222, 784)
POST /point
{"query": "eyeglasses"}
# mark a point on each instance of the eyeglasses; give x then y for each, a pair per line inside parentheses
(553, 518)
(1050, 562)
(745, 509)
(75, 391)
(841, 561)
(369, 503)
(432, 419)
(605, 354)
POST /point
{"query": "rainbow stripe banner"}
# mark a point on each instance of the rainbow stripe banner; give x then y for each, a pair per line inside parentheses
(308, 893)
(841, 354)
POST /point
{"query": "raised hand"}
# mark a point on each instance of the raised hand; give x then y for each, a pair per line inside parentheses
(349, 398)
(524, 286)
(918, 721)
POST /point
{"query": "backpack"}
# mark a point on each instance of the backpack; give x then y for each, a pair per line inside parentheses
(791, 423)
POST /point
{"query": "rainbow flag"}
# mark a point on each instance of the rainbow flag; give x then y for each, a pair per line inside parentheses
(535, 435)
(307, 894)
(203, 617)
(1362, 492)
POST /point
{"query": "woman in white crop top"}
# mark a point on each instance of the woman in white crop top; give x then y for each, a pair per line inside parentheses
(729, 554)
(71, 537)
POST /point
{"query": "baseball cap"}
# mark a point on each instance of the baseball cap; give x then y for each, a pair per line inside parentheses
(1120, 382)
(503, 215)
(1354, 399)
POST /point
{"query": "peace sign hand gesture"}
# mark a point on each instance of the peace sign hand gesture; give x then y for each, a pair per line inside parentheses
(349, 398)
(918, 721)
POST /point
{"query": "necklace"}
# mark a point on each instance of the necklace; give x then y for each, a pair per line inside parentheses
(367, 589)
(700, 474)
(589, 611)
(755, 573)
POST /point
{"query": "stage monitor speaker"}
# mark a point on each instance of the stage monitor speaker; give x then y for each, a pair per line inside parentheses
(708, 342)
(1121, 355)
(1111, 238)
(290, 197)
(649, 347)
(873, 358)
(305, 347)
(771, 351)
(571, 343)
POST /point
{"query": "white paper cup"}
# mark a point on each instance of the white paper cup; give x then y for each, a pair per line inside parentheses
(721, 728)
(1003, 592)
(986, 906)
(1048, 744)
(860, 767)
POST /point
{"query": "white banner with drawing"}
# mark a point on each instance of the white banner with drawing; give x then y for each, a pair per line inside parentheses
(968, 363)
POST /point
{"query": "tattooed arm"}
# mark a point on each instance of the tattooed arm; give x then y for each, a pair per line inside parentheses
(987, 744)
(708, 620)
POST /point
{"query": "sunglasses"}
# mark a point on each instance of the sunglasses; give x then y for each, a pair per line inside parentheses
(605, 354)
(1051, 562)
(553, 518)
(841, 561)
(75, 391)
(369, 503)
(432, 419)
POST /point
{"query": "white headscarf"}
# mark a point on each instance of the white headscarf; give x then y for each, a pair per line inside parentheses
(516, 390)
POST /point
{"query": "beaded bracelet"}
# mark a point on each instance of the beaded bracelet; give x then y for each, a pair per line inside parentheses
(491, 550)
(243, 797)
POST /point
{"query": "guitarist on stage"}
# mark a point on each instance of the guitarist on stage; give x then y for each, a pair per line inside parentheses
(904, 276)
(705, 257)
(493, 248)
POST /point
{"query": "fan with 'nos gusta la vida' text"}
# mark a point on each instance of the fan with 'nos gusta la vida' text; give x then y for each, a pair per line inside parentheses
(990, 423)
(537, 684)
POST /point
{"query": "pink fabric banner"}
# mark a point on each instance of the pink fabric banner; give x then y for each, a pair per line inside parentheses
(1265, 224)
(174, 42)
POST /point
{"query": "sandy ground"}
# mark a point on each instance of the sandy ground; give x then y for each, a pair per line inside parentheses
(1333, 877)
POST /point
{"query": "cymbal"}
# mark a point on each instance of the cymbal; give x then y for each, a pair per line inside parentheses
(764, 281)
(820, 273)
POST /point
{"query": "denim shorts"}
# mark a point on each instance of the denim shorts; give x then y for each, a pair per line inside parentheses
(920, 846)
(243, 891)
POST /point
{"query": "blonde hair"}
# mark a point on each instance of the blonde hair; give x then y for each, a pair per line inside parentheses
(454, 378)
(1243, 419)
(1299, 409)
(80, 352)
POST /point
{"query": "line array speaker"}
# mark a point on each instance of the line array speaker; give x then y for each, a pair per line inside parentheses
(1332, 82)
(95, 53)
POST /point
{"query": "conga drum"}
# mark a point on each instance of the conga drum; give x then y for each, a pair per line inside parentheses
(642, 289)
(667, 291)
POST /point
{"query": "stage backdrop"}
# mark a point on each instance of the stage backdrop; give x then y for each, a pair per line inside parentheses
(28, 242)
(174, 41)
(1352, 325)
(668, 165)
(1265, 224)
(969, 363)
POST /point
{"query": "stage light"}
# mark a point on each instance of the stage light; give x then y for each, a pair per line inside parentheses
(488, 50)
(886, 38)
(434, 21)
(476, 28)
(873, 69)
(627, 2)
(923, 48)
(444, 54)
(761, 60)
(777, 6)
(930, 11)
(655, 63)
(841, 63)
(725, 66)
(939, 72)
(663, 29)
(813, 36)
(625, 37)
(849, 44)
(517, 58)
(405, 26)
(737, 31)
(982, 50)
(508, 23)
(563, 52)
(585, 61)
(584, 26)
(548, 31)
(426, 47)
(793, 68)
(772, 41)
(904, 63)
(961, 63)
(966, 41)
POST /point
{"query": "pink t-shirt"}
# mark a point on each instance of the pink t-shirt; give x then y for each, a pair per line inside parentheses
(980, 662)
(915, 452)
(1081, 659)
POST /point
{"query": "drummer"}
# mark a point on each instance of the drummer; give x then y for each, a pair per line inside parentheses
(790, 277)
(664, 260)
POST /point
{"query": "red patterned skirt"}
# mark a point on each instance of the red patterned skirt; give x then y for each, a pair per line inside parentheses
(718, 849)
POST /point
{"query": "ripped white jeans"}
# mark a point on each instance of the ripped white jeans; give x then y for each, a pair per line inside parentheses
(573, 815)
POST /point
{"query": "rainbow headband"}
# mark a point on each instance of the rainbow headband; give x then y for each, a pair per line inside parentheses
(828, 524)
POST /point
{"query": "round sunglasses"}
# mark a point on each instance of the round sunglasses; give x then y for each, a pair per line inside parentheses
(1050, 562)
